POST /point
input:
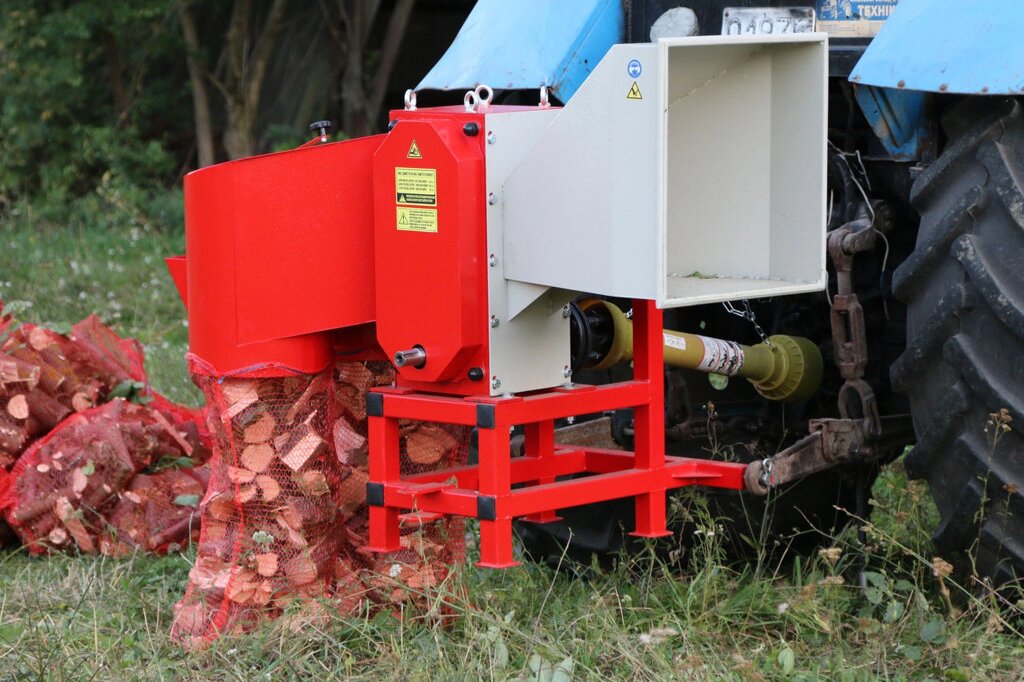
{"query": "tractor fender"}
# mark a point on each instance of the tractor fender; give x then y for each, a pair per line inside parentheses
(948, 46)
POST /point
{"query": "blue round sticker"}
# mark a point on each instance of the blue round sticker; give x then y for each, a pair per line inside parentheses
(634, 68)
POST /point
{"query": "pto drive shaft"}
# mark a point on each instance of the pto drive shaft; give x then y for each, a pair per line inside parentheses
(786, 368)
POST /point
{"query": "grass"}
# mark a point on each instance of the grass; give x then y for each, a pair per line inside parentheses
(791, 618)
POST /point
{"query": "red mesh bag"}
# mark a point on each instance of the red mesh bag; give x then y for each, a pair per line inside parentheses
(46, 376)
(61, 489)
(157, 513)
(432, 546)
(270, 515)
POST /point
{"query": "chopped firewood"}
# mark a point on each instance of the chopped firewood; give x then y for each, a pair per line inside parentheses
(241, 587)
(17, 407)
(357, 375)
(346, 440)
(163, 421)
(269, 487)
(40, 338)
(12, 436)
(257, 457)
(79, 481)
(222, 507)
(300, 569)
(303, 444)
(15, 371)
(81, 402)
(240, 475)
(354, 402)
(352, 494)
(58, 536)
(298, 407)
(266, 564)
(247, 494)
(312, 483)
(239, 394)
(71, 519)
(45, 409)
(428, 444)
(260, 430)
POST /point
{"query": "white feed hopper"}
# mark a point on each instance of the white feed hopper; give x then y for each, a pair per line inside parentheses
(687, 171)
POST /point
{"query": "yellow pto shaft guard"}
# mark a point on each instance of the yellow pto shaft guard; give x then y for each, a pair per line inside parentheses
(785, 368)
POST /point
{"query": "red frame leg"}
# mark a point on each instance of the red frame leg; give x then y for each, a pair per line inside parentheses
(496, 483)
(385, 527)
(540, 443)
(649, 419)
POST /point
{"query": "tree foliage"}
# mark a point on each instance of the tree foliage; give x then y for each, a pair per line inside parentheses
(134, 93)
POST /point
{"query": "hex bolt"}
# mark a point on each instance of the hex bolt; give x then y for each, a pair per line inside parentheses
(491, 137)
(492, 199)
(495, 382)
(492, 260)
(495, 321)
(570, 420)
(566, 311)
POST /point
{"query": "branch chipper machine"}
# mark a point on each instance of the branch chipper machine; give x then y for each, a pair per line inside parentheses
(481, 247)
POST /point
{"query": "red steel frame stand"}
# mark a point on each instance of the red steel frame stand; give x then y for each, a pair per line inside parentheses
(485, 491)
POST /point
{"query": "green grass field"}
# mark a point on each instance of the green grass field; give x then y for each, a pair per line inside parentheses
(796, 618)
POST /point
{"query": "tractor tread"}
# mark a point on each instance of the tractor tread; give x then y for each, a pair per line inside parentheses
(964, 287)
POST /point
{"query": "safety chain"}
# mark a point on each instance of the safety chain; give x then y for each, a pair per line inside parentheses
(748, 315)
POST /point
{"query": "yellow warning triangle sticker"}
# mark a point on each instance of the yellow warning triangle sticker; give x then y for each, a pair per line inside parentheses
(401, 219)
(414, 150)
(634, 92)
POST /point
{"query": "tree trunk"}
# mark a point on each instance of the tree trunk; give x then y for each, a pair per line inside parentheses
(389, 50)
(200, 97)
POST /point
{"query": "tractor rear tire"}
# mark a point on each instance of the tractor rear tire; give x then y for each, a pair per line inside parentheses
(964, 361)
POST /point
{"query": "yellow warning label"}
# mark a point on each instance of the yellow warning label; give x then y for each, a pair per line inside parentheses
(634, 92)
(417, 186)
(417, 219)
(414, 151)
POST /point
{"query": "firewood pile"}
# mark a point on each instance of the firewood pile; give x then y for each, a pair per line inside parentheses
(284, 522)
(81, 466)
(74, 487)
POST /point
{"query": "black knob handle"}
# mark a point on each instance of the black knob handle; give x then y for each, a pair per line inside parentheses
(321, 128)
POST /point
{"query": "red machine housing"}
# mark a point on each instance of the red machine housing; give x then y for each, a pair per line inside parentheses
(430, 248)
(279, 253)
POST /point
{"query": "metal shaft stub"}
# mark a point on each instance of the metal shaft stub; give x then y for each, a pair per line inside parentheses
(413, 357)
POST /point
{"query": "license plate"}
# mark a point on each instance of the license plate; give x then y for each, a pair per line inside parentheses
(759, 21)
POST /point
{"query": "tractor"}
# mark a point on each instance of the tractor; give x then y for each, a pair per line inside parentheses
(765, 247)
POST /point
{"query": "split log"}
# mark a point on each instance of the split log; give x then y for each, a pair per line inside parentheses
(239, 394)
(260, 430)
(303, 444)
(16, 371)
(12, 436)
(17, 407)
(48, 411)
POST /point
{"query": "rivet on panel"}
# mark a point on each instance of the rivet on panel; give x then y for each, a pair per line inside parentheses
(495, 382)
(492, 199)
(492, 260)
(491, 137)
(494, 321)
